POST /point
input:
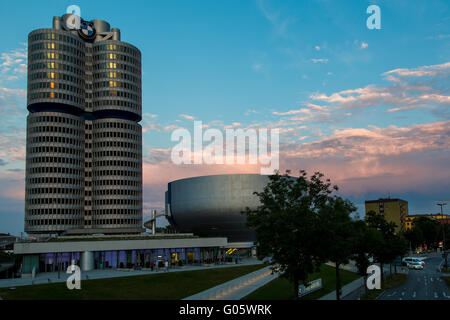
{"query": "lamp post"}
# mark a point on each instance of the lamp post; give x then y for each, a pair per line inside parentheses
(443, 233)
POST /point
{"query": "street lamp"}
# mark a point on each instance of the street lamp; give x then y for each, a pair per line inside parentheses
(443, 233)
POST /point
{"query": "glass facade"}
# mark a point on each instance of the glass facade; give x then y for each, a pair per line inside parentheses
(127, 259)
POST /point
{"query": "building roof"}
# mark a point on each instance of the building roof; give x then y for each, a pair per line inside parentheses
(385, 200)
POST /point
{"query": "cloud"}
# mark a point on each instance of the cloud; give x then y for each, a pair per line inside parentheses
(432, 71)
(13, 64)
(187, 117)
(364, 45)
(280, 24)
(317, 48)
(362, 160)
(319, 60)
(402, 94)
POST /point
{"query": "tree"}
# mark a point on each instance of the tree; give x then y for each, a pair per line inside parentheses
(429, 229)
(414, 236)
(286, 224)
(337, 233)
(366, 239)
(389, 245)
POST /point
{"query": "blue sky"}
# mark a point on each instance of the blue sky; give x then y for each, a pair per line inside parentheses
(370, 108)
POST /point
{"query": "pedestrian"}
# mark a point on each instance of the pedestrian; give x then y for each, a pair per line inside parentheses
(166, 265)
(152, 265)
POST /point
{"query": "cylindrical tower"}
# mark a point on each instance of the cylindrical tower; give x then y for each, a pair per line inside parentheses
(84, 141)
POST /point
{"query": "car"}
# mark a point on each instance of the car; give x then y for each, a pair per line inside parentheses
(407, 260)
(415, 265)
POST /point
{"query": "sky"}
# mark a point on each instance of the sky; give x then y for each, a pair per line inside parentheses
(368, 108)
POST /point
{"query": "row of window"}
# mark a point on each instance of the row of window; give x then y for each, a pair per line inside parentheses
(54, 160)
(116, 65)
(106, 104)
(55, 222)
(115, 93)
(56, 75)
(116, 48)
(72, 191)
(117, 75)
(55, 95)
(123, 202)
(67, 201)
(118, 57)
(118, 144)
(56, 46)
(116, 125)
(117, 163)
(51, 149)
(125, 173)
(56, 128)
(57, 56)
(56, 36)
(57, 180)
(56, 85)
(134, 222)
(59, 170)
(59, 119)
(56, 65)
(54, 139)
(121, 154)
(117, 192)
(115, 134)
(120, 182)
(116, 84)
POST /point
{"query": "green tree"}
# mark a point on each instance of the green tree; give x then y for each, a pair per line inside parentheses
(366, 239)
(429, 229)
(389, 245)
(286, 224)
(414, 237)
(337, 233)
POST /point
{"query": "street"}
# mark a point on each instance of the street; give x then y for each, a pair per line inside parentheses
(425, 284)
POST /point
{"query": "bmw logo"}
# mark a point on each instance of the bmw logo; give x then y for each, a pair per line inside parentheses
(87, 30)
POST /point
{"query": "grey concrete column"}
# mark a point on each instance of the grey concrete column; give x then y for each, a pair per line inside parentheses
(87, 261)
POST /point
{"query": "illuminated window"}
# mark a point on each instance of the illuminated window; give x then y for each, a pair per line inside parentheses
(52, 95)
(52, 85)
(52, 75)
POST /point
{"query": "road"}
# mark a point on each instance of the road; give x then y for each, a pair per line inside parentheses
(425, 284)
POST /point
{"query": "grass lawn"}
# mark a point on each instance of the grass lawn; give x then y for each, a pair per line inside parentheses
(390, 281)
(281, 289)
(163, 286)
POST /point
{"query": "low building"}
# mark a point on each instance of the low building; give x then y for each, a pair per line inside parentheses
(116, 252)
(394, 210)
(409, 220)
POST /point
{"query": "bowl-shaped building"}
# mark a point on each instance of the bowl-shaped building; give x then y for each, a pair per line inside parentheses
(211, 206)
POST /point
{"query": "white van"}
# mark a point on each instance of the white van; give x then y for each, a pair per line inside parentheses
(407, 260)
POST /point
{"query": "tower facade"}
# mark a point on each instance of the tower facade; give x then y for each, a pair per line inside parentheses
(84, 140)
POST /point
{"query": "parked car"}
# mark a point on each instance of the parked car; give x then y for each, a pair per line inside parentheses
(407, 260)
(415, 265)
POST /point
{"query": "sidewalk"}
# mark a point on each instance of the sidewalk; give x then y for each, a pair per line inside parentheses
(52, 277)
(238, 288)
(346, 290)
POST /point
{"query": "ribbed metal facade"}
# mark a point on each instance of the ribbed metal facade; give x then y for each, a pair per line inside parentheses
(84, 141)
(212, 206)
